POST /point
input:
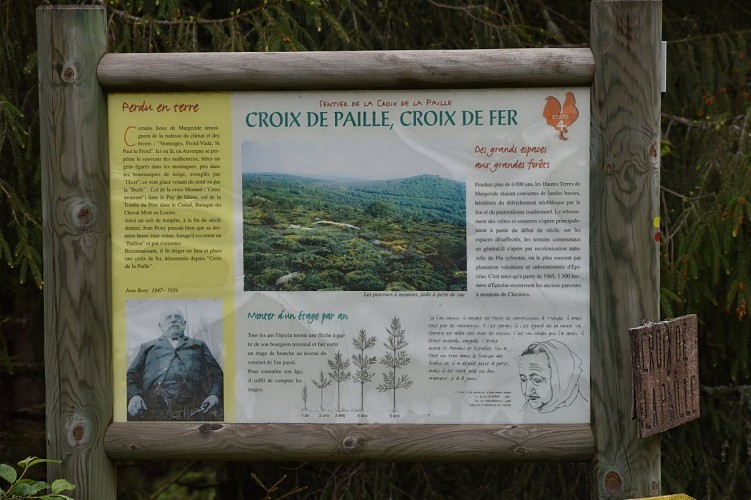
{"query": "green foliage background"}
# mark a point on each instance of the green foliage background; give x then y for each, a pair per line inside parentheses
(706, 221)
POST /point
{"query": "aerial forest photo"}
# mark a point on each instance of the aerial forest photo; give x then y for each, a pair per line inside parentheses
(303, 233)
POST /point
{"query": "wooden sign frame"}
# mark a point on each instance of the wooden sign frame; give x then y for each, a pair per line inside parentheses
(75, 72)
(345, 71)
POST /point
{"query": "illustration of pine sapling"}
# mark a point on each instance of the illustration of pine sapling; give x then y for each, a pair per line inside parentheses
(304, 396)
(322, 383)
(395, 358)
(363, 374)
(339, 374)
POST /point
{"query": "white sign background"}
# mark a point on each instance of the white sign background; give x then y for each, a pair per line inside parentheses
(524, 167)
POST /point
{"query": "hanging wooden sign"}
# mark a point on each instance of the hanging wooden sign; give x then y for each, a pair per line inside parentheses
(665, 363)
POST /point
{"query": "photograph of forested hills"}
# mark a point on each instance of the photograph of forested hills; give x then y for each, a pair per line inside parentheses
(303, 233)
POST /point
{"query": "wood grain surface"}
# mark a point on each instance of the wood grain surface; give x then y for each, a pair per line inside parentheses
(347, 442)
(235, 71)
(75, 191)
(625, 181)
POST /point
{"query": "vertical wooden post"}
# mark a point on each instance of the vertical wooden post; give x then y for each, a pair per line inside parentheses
(625, 181)
(75, 190)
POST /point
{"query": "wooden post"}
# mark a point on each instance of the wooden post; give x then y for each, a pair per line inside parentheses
(75, 189)
(625, 181)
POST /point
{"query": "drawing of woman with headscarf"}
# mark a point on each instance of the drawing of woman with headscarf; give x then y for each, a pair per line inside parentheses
(549, 373)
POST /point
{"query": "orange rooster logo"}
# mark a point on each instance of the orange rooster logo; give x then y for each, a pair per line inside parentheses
(560, 118)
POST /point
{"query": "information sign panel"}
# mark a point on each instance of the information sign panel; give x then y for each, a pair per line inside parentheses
(351, 256)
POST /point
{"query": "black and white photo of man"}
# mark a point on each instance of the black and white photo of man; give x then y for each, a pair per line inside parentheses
(175, 375)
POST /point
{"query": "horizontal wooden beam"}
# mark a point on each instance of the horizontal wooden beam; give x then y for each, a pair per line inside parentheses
(237, 71)
(344, 442)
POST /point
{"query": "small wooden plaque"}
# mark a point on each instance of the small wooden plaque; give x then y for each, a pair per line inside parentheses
(665, 361)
